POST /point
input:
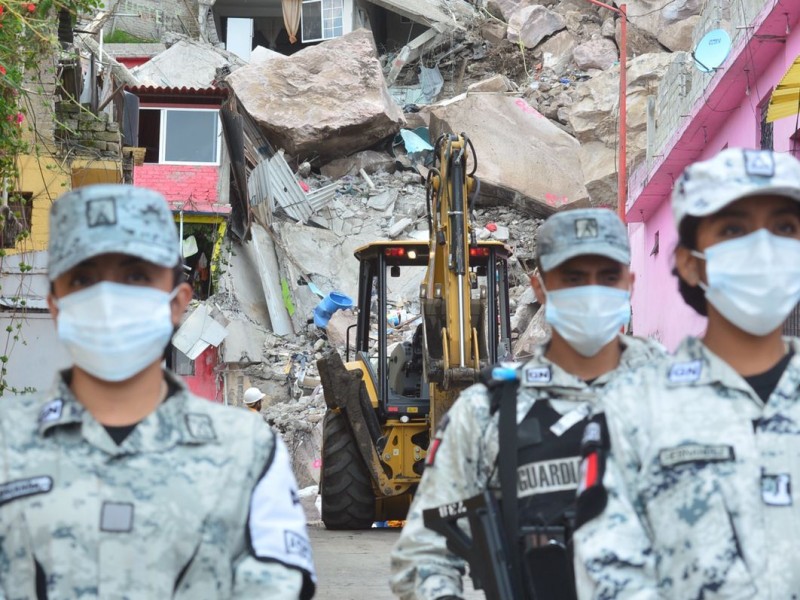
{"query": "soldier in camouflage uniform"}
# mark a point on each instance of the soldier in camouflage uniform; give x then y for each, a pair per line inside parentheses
(583, 258)
(699, 497)
(119, 483)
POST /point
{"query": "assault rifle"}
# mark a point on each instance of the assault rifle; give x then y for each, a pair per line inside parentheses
(537, 566)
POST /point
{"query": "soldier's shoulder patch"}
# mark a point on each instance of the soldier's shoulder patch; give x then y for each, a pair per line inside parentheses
(200, 427)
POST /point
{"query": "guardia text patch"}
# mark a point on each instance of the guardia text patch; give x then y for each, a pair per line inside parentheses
(548, 476)
(25, 487)
(670, 457)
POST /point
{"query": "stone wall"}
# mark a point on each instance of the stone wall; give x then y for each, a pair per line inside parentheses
(83, 133)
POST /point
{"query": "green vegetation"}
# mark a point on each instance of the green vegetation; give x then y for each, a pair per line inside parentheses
(123, 37)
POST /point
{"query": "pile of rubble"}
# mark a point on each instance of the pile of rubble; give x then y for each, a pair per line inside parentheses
(340, 143)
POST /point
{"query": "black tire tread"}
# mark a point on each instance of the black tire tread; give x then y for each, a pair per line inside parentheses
(348, 500)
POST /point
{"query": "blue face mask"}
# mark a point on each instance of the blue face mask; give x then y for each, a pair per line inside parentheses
(588, 317)
(754, 280)
(113, 331)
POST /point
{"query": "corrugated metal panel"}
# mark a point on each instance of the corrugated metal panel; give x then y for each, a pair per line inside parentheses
(273, 182)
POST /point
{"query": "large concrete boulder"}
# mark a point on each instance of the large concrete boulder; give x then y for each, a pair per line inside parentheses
(503, 9)
(679, 36)
(330, 99)
(557, 52)
(593, 118)
(599, 53)
(523, 158)
(529, 25)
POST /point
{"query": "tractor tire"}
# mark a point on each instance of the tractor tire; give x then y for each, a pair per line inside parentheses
(348, 500)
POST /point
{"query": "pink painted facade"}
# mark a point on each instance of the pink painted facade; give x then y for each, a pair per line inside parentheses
(204, 382)
(728, 114)
(191, 188)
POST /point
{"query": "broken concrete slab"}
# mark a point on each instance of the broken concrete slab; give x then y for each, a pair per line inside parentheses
(187, 63)
(332, 111)
(369, 160)
(529, 25)
(384, 200)
(496, 83)
(244, 344)
(399, 227)
(539, 172)
(429, 12)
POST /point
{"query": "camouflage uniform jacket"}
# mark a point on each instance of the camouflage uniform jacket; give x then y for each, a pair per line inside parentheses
(702, 485)
(197, 502)
(465, 464)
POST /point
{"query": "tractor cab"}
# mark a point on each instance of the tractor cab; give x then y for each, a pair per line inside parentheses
(390, 330)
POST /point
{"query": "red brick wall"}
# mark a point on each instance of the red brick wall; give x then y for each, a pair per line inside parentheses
(194, 185)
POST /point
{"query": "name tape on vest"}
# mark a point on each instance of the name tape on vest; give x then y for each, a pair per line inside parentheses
(695, 453)
(25, 487)
(686, 372)
(548, 476)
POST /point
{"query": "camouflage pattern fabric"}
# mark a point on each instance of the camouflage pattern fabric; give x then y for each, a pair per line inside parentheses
(162, 515)
(700, 496)
(465, 464)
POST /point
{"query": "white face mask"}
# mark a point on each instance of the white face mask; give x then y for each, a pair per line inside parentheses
(588, 317)
(754, 280)
(113, 331)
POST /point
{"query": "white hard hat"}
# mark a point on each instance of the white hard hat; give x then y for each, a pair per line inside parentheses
(253, 395)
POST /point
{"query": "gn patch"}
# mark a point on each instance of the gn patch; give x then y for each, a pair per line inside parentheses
(688, 453)
(51, 411)
(685, 372)
(537, 375)
(25, 487)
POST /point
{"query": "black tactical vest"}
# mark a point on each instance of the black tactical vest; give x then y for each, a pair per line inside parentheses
(548, 466)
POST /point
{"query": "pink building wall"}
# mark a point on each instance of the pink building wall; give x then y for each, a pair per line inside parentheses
(188, 187)
(658, 309)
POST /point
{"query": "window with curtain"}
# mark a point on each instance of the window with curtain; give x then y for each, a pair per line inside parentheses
(322, 20)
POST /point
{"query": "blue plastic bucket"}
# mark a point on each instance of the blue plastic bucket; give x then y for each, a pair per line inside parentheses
(330, 304)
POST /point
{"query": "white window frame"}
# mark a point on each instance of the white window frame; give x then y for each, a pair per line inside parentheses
(162, 135)
(322, 21)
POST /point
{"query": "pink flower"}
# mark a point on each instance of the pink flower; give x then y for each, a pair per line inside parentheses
(2, 70)
(31, 7)
(20, 118)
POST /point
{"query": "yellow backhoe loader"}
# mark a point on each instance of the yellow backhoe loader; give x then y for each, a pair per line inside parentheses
(384, 401)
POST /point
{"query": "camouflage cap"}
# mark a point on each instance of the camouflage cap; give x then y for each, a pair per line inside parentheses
(708, 186)
(572, 233)
(106, 218)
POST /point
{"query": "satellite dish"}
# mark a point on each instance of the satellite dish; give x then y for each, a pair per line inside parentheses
(712, 50)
